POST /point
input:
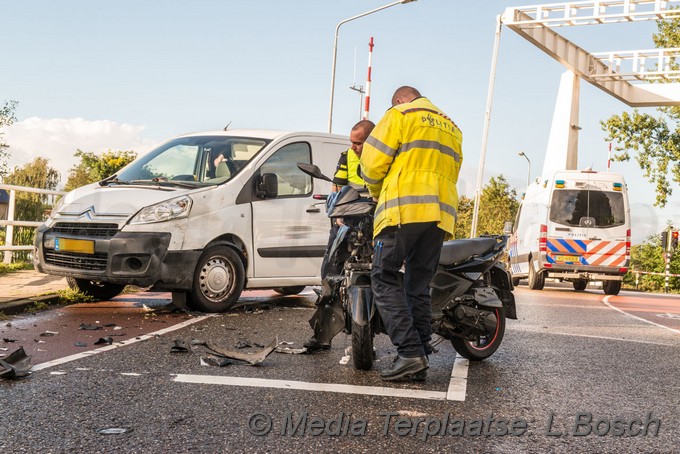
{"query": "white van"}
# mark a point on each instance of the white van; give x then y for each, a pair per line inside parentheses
(573, 226)
(204, 215)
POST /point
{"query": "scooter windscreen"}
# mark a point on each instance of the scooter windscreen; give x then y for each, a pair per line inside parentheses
(349, 202)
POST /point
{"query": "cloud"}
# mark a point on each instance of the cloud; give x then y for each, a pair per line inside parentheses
(58, 139)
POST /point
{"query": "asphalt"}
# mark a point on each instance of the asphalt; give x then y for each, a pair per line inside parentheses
(21, 289)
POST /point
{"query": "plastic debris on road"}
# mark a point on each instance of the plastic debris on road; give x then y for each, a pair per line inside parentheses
(16, 365)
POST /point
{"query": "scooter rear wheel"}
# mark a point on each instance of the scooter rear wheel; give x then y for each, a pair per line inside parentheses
(480, 348)
(362, 346)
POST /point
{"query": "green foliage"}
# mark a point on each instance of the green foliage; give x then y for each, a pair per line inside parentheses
(6, 119)
(93, 167)
(654, 139)
(31, 206)
(16, 266)
(71, 296)
(648, 257)
(498, 203)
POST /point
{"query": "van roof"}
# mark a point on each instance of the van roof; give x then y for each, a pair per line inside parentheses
(270, 134)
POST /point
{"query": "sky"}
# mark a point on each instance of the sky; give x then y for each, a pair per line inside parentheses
(128, 75)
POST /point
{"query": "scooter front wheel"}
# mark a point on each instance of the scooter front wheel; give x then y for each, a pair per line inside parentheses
(362, 346)
(478, 348)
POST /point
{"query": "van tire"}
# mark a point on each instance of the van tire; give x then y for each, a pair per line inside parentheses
(580, 284)
(515, 281)
(292, 290)
(611, 287)
(99, 291)
(536, 279)
(218, 280)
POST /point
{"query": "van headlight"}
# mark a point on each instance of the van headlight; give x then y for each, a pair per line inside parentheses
(164, 211)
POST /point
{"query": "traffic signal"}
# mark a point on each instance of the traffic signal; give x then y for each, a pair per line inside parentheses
(674, 239)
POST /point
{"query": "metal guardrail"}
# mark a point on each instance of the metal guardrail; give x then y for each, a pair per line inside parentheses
(10, 222)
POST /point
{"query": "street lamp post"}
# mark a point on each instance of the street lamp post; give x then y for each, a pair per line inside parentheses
(335, 52)
(521, 153)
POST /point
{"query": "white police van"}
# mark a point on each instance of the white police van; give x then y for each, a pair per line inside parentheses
(205, 215)
(573, 226)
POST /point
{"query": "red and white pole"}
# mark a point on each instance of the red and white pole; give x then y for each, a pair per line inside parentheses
(367, 101)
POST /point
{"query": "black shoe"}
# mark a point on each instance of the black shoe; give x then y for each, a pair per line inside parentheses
(312, 345)
(419, 376)
(404, 367)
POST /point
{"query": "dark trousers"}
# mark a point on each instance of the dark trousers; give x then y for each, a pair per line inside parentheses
(406, 311)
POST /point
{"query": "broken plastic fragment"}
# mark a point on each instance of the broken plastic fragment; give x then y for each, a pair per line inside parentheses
(80, 344)
(113, 430)
(48, 333)
(108, 340)
(90, 327)
(179, 347)
(15, 365)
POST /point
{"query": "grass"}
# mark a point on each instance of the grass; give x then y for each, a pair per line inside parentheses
(71, 296)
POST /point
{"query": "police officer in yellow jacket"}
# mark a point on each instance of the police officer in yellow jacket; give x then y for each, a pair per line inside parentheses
(410, 164)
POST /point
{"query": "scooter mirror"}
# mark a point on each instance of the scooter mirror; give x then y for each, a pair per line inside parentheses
(312, 170)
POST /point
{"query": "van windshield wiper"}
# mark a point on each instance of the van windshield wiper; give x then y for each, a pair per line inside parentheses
(113, 179)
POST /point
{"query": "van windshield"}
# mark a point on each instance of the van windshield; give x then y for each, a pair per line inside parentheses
(200, 161)
(587, 208)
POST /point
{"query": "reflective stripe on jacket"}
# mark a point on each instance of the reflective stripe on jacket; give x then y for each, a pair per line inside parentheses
(410, 162)
(347, 171)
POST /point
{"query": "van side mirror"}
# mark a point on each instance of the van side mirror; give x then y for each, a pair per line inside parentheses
(268, 186)
(507, 227)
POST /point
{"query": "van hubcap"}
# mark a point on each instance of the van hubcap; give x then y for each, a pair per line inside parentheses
(216, 279)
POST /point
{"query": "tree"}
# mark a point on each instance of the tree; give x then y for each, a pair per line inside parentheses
(655, 139)
(31, 206)
(6, 119)
(93, 168)
(649, 257)
(498, 204)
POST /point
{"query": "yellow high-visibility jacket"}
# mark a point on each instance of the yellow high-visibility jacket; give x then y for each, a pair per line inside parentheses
(347, 171)
(410, 163)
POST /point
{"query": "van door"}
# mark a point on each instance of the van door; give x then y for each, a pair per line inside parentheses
(290, 232)
(592, 219)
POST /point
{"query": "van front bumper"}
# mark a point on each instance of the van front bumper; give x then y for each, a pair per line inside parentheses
(138, 258)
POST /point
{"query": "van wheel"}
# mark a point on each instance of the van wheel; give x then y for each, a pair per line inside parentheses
(515, 281)
(580, 284)
(218, 280)
(611, 287)
(292, 290)
(99, 291)
(536, 279)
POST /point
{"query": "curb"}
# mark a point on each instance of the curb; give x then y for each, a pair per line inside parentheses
(20, 305)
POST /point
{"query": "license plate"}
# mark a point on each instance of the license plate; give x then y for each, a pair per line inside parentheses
(70, 245)
(567, 258)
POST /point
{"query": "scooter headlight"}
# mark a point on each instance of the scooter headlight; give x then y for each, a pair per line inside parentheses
(164, 211)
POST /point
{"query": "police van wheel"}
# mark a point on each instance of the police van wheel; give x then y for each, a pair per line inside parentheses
(293, 290)
(536, 279)
(218, 280)
(515, 281)
(99, 291)
(611, 287)
(580, 284)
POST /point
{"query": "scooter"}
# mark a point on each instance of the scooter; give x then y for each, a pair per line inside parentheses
(471, 290)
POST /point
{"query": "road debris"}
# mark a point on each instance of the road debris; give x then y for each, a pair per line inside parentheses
(90, 327)
(48, 333)
(215, 355)
(16, 365)
(108, 340)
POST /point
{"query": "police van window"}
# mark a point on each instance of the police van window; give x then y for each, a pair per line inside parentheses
(581, 207)
(291, 180)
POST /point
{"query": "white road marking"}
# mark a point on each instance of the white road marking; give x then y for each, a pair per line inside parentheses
(458, 383)
(456, 390)
(606, 301)
(67, 359)
(307, 386)
(542, 331)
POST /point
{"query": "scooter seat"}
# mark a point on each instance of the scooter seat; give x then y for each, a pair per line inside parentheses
(455, 251)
